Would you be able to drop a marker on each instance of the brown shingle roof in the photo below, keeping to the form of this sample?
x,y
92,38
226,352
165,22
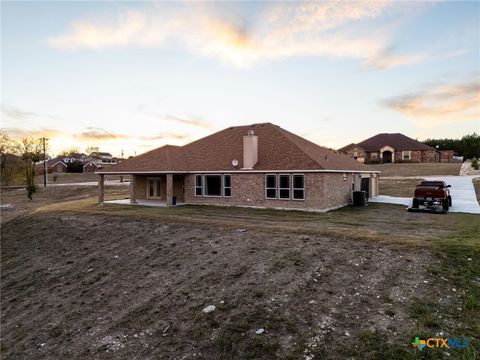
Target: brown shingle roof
x,y
278,149
397,141
348,147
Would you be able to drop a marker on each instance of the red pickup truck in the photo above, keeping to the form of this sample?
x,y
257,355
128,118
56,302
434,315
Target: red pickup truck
x,y
432,194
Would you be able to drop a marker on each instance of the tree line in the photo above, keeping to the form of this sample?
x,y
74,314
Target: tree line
x,y
468,146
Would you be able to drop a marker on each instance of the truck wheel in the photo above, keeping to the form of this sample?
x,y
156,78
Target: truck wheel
x,y
450,201
415,204
445,205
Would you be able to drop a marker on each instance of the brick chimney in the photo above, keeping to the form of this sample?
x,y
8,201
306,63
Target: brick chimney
x,y
250,150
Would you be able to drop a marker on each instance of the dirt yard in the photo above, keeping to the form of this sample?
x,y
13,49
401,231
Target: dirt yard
x,y
81,281
416,169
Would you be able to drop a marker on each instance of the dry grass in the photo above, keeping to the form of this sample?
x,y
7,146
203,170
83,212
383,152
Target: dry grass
x,y
64,178
381,223
398,187
424,169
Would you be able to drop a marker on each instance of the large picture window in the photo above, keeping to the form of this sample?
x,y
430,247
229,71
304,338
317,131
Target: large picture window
x,y
298,187
198,185
271,186
227,185
284,186
213,185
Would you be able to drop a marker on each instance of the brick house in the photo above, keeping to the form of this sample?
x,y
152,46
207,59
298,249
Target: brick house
x,y
259,165
391,148
91,166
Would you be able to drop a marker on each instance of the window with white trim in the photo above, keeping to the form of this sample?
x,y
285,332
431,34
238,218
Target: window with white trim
x,y
298,184
227,185
271,186
374,155
198,185
406,155
213,185
284,186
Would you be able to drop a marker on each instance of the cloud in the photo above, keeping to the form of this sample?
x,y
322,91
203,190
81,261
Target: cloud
x,y
85,34
440,104
98,134
166,136
278,30
15,113
387,59
18,133
189,121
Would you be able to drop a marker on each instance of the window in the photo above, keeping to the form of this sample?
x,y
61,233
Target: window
x,y
198,185
406,155
227,185
355,155
298,187
271,186
213,185
374,155
284,186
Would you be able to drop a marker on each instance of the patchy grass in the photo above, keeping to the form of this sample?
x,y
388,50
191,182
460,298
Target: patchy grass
x,y
398,187
417,169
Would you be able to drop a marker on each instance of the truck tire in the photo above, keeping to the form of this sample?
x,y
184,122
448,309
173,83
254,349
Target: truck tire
x,y
445,205
450,201
415,204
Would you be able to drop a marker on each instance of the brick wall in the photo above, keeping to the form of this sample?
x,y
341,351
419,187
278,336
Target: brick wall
x,y
360,153
418,156
322,191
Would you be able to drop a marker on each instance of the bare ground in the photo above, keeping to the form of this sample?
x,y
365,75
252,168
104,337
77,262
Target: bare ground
x,y
80,281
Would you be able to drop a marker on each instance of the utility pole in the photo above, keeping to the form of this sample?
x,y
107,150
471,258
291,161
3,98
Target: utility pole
x,y
44,161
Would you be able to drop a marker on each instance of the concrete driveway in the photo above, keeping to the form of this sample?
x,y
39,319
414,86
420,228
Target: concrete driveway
x,y
462,190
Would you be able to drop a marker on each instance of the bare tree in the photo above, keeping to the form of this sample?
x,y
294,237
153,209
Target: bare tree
x,y
91,149
6,145
69,152
31,151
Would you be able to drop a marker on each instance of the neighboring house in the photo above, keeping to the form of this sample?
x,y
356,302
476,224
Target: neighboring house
x,y
448,156
103,158
91,166
391,148
55,165
259,165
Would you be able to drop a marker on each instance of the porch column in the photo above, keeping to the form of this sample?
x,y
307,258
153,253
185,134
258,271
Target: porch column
x,y
101,189
169,189
133,199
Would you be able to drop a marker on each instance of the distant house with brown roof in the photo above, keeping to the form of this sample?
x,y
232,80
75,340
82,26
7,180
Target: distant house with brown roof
x,y
391,148
259,165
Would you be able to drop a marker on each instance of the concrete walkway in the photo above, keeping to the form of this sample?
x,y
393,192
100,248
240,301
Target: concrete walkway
x,y
92,183
154,203
462,191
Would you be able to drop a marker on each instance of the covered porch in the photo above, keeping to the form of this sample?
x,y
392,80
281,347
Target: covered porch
x,y
162,189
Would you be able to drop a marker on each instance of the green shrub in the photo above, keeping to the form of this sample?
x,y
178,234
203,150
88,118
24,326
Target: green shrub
x,y
475,164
